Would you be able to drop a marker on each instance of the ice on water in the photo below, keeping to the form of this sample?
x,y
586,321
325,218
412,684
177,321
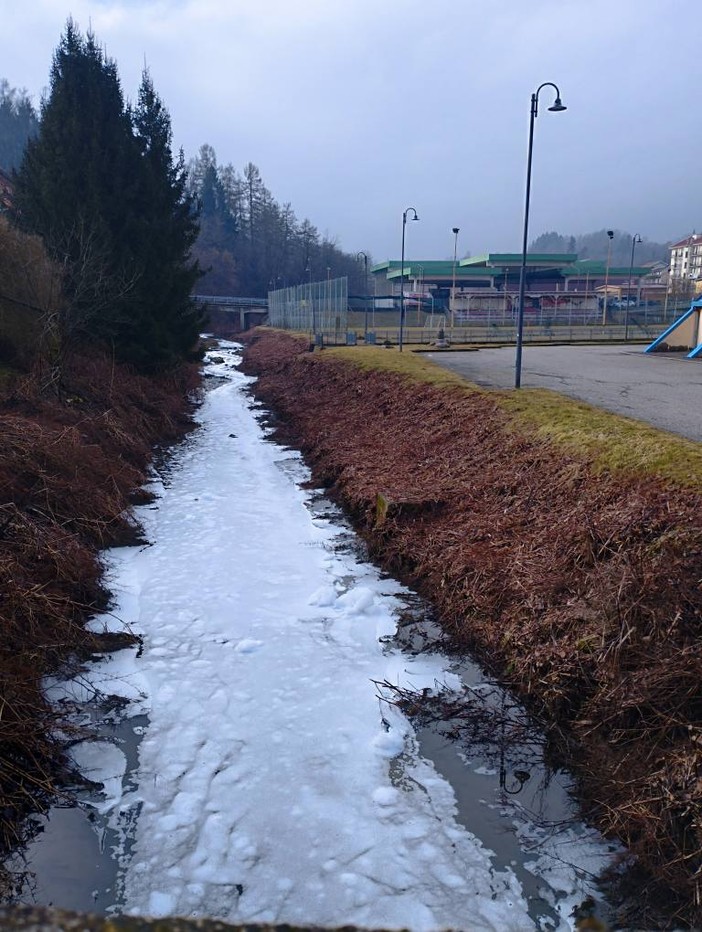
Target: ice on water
x,y
273,784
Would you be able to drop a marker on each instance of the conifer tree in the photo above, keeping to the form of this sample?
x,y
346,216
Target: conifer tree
x,y
167,229
100,185
76,187
249,243
18,123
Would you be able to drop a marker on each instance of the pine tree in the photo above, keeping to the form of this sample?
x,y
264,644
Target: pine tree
x,y
100,185
167,228
249,243
76,187
217,244
18,124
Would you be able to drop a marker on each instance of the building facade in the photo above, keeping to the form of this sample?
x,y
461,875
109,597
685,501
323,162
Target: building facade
x,y
491,282
686,263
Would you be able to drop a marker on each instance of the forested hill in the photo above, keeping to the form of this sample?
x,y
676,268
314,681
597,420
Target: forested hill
x,y
250,243
18,123
595,246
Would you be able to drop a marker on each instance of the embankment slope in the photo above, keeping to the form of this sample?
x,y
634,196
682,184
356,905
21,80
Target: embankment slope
x,y
578,583
70,466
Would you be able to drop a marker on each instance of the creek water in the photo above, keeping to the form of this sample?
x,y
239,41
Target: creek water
x,y
485,747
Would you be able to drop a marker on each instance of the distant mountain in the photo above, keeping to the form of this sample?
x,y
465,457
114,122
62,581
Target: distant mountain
x,y
595,246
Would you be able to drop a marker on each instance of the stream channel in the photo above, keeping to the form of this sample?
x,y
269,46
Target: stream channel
x,y
467,760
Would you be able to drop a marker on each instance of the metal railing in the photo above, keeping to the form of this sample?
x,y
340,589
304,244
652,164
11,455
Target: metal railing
x,y
540,325
222,300
317,309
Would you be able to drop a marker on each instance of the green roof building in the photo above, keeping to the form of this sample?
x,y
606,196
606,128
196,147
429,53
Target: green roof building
x,y
492,280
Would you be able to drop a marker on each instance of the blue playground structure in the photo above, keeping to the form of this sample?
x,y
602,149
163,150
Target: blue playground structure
x,y
687,330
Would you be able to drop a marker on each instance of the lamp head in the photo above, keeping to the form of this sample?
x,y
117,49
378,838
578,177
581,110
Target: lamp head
x,y
455,230
557,105
610,234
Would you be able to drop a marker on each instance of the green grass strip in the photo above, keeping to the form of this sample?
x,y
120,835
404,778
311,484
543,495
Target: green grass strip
x,y
611,442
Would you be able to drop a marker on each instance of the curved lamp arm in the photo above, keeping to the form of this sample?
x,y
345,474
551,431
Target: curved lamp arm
x,y
402,271
557,105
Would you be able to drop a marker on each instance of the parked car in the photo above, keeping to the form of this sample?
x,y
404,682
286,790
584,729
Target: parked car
x,y
623,302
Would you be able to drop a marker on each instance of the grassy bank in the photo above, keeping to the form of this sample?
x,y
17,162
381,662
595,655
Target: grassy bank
x,y
69,470
561,544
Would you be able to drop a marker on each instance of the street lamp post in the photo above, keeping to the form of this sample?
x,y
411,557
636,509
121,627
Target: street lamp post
x,y
455,231
308,269
365,303
610,234
420,292
636,238
556,108
402,270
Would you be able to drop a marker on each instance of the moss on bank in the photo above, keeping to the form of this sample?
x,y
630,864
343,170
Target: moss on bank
x,y
558,543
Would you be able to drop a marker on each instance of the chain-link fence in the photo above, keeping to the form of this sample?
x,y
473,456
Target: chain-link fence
x,y
320,308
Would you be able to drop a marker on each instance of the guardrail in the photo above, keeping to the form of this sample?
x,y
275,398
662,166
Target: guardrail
x,y
635,332
231,302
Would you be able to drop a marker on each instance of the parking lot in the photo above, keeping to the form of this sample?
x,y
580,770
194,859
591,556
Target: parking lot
x,y
664,390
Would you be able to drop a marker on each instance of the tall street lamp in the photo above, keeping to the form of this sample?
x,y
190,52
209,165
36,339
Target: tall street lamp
x,y
308,269
455,231
365,285
419,283
667,293
402,270
610,234
636,238
556,108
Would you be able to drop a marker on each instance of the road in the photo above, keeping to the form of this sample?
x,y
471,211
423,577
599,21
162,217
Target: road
x,y
664,390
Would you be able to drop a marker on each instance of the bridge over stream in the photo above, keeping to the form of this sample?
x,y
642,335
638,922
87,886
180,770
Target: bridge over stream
x,y
250,311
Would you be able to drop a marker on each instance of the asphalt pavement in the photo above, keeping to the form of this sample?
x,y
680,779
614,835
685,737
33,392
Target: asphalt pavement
x,y
662,389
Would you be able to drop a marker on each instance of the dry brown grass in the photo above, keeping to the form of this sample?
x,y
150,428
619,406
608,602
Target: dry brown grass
x,y
68,471
580,584
610,442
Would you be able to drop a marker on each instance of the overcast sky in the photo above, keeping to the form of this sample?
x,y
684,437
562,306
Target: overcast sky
x,y
356,109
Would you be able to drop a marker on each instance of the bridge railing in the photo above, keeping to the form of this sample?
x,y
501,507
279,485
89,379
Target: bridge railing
x,y
223,300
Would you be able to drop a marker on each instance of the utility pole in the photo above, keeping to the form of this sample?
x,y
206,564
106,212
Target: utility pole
x,y
455,231
610,234
365,302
